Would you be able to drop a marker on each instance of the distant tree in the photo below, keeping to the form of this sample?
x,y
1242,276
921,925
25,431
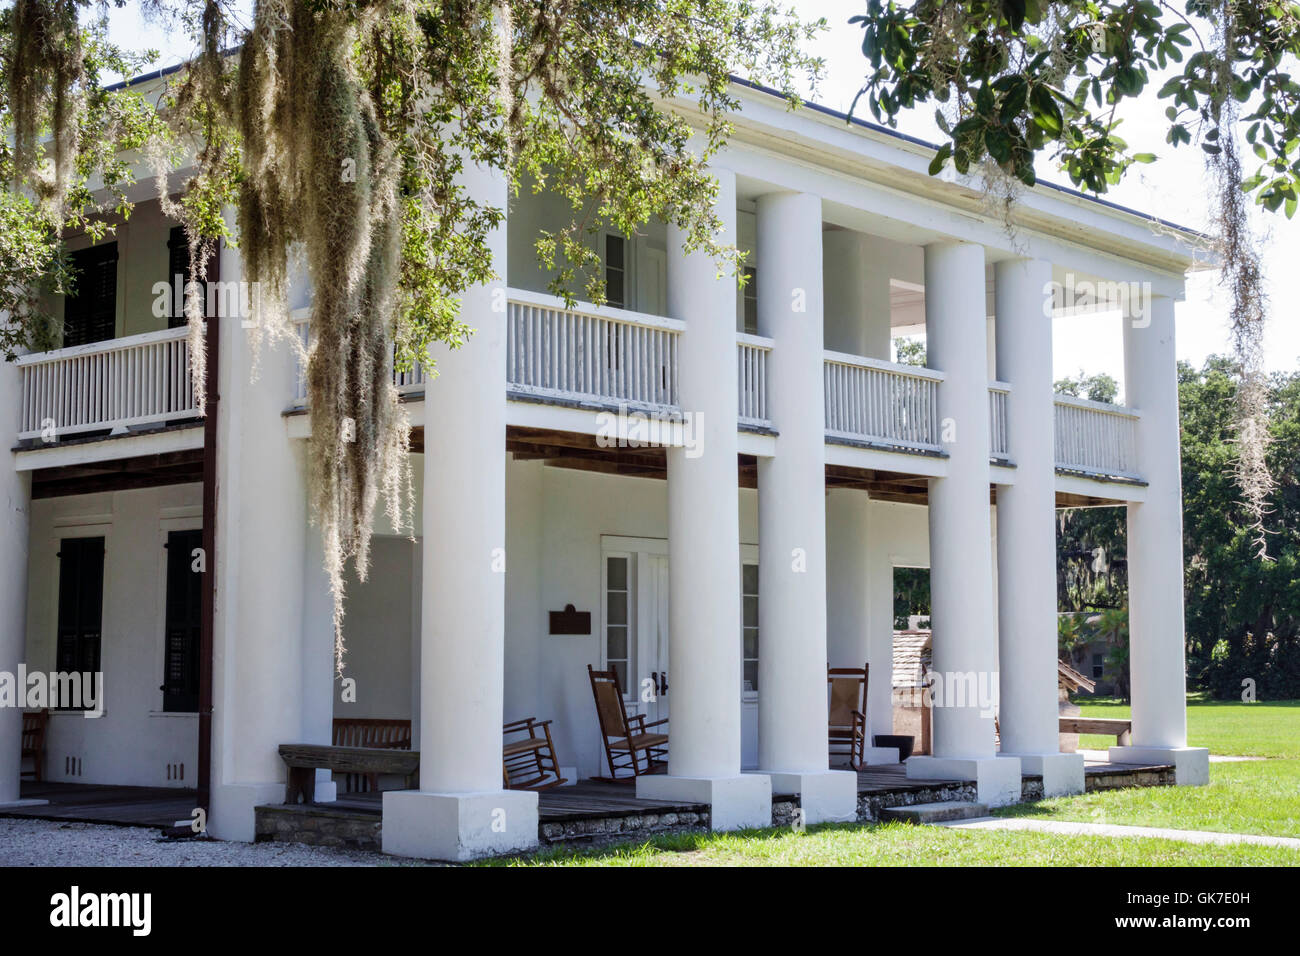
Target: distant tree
x,y
1097,388
909,351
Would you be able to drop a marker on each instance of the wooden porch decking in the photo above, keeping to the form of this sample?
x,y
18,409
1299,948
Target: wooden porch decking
x,y
587,799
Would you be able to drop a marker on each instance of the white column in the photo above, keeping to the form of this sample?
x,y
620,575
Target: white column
x,y
1157,669
860,606
260,542
319,686
857,294
1026,531
704,547
461,810
15,508
792,712
961,565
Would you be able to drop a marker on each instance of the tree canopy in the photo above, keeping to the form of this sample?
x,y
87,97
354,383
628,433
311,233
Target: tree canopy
x,y
340,129
1013,79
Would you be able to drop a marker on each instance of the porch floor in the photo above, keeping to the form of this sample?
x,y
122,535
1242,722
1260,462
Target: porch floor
x,y
163,808
103,803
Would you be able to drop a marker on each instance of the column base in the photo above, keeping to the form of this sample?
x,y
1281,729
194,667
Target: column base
x,y
1062,773
997,779
825,796
459,826
230,813
1191,764
327,791
735,802
874,756
26,802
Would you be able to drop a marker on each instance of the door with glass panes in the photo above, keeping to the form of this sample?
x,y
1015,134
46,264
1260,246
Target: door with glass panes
x,y
635,630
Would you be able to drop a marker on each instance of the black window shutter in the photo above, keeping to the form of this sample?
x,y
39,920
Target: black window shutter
x,y
81,604
90,312
183,622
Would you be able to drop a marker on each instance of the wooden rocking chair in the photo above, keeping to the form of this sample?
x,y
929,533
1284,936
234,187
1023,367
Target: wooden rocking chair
x,y
33,742
628,743
528,763
848,713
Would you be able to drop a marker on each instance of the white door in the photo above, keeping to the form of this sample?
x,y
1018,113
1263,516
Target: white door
x,y
655,682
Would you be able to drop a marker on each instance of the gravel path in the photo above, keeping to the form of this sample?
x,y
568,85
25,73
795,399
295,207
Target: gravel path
x,y
51,843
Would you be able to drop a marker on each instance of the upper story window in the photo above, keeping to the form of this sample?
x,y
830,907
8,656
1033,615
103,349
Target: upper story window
x,y
616,271
751,300
90,311
178,275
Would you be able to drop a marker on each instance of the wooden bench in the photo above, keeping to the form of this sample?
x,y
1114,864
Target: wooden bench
x,y
303,760
1118,727
382,733
33,742
528,763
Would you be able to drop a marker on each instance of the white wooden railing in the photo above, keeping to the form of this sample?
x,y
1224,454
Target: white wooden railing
x,y
406,382
999,442
135,380
605,356
751,358
871,400
1096,438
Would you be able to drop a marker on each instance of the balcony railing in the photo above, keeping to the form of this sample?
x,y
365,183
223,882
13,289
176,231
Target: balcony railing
x,y
751,358
406,382
880,402
999,441
605,357
115,384
1096,438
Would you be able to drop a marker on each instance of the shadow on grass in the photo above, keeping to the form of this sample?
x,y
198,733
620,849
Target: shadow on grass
x,y
683,842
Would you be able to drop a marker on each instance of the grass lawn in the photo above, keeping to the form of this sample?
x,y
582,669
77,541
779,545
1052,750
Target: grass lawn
x,y
1261,796
900,844
1258,796
1261,729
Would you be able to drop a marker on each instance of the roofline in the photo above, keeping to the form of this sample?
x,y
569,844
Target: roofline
x,y
815,107
857,121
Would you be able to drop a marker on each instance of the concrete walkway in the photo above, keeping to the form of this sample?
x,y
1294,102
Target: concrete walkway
x,y
1064,828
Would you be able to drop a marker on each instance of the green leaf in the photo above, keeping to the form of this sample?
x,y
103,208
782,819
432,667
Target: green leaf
x,y
940,158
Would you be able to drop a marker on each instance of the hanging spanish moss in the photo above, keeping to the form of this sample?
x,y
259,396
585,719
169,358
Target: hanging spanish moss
x,y
45,89
1241,273
319,172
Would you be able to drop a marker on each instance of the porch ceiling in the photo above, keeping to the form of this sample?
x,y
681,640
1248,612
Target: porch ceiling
x,y
145,471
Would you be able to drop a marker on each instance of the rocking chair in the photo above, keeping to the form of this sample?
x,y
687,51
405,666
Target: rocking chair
x,y
628,743
848,713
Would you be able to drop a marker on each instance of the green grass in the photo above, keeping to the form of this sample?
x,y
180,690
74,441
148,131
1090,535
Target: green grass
x,y
1261,729
897,844
1258,796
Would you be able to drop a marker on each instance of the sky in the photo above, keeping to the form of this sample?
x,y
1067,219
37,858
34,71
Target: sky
x,y
1175,187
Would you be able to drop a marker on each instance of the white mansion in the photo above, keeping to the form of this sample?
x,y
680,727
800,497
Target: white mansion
x,y
723,566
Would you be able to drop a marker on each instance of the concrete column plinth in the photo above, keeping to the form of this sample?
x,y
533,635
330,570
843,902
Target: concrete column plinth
x,y
997,779
459,826
1062,773
1191,764
735,802
827,796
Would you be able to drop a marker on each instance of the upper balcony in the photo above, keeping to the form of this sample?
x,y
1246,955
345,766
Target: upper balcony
x,y
582,358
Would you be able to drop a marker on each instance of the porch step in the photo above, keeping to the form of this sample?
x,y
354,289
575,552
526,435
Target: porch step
x,y
935,812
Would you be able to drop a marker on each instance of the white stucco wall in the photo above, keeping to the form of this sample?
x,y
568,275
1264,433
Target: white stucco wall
x,y
133,742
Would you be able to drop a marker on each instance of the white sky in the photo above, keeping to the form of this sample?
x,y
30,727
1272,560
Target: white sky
x,y
1175,188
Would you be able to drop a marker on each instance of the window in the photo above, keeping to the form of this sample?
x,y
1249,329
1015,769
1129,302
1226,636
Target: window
x,y
749,626
1098,666
90,310
81,606
182,627
751,300
616,271
178,264
619,652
